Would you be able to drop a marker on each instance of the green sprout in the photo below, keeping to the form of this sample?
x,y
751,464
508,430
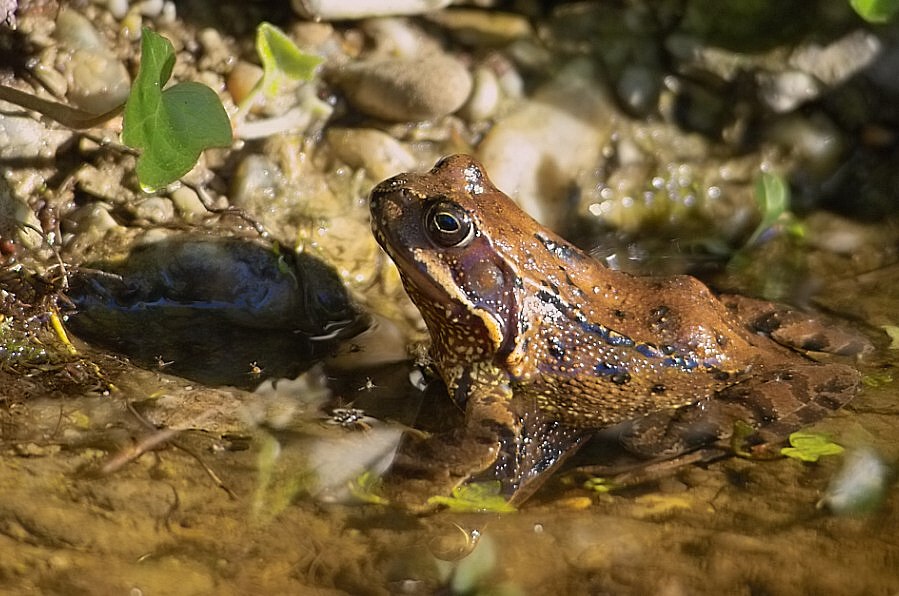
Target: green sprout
x,y
281,61
171,127
477,496
772,195
875,11
810,446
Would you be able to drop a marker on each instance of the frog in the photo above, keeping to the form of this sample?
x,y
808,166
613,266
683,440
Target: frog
x,y
541,345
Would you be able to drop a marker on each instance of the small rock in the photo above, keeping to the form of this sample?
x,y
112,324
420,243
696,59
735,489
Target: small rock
x,y
17,220
242,80
97,79
834,63
335,10
860,486
23,138
638,87
404,90
535,153
94,220
479,27
485,96
187,202
256,182
785,91
378,153
155,210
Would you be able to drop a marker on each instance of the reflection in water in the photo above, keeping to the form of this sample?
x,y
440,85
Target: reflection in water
x,y
216,310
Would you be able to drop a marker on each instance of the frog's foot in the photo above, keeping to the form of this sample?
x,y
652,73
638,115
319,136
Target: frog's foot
x,y
796,329
529,458
426,467
520,453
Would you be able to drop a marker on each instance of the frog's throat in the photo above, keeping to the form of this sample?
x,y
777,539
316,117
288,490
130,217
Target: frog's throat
x,y
429,284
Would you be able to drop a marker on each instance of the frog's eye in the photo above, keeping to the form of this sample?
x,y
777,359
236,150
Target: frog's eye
x,y
448,225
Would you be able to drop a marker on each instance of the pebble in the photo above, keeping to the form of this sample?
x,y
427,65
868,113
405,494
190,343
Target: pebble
x,y
242,80
378,153
536,152
638,87
24,138
335,10
14,213
97,79
405,90
94,220
860,486
485,97
834,63
155,210
187,202
45,71
256,181
117,8
480,28
785,91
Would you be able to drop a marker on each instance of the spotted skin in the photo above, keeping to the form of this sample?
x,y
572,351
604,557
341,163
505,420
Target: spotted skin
x,y
540,344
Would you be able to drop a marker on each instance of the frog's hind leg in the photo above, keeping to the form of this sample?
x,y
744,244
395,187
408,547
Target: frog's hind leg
x,y
771,404
796,329
780,400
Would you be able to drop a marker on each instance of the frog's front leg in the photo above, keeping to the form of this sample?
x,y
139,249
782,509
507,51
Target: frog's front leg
x,y
531,443
505,438
436,464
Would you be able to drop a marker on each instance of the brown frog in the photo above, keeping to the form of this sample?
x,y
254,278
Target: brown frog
x,y
541,345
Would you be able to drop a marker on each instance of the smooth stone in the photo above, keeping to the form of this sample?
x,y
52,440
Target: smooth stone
x,y
485,97
405,90
335,10
378,153
13,214
97,79
155,210
536,152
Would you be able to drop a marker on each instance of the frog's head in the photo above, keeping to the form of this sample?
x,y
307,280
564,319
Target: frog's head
x,y
450,232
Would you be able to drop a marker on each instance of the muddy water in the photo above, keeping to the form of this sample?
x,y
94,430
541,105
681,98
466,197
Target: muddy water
x,y
96,502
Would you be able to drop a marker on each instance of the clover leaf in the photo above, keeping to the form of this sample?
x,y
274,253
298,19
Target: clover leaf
x,y
810,447
170,127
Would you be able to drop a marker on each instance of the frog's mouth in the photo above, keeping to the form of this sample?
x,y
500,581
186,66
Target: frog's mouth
x,y
422,281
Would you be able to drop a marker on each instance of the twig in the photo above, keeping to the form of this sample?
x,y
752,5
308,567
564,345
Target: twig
x,y
65,115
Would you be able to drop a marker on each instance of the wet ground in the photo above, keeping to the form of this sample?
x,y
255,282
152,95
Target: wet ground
x,y
117,478
160,524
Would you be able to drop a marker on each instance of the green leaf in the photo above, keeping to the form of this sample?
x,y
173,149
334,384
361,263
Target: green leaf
x,y
875,11
773,198
878,379
893,332
599,485
477,496
366,487
170,127
281,58
810,446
